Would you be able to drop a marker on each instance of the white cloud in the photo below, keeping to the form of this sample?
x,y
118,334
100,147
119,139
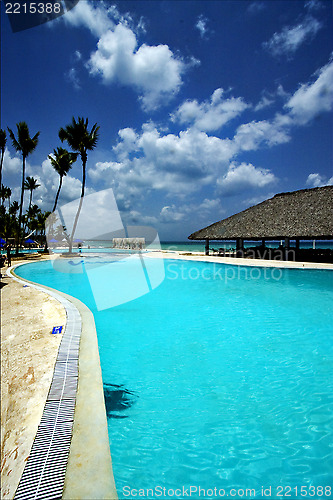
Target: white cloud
x,y
173,213
153,70
72,77
253,135
256,7
313,5
317,180
241,177
264,102
292,37
134,217
175,164
201,25
313,98
12,165
77,55
95,18
210,115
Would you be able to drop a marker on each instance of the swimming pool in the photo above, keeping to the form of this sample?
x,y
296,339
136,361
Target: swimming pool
x,y
219,378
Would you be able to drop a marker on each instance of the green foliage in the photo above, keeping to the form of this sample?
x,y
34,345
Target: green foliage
x,y
13,222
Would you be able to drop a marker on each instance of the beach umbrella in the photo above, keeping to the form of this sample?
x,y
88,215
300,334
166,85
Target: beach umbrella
x,y
29,240
78,240
53,241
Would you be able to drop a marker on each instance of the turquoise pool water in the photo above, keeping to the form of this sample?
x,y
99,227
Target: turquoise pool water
x,y
221,378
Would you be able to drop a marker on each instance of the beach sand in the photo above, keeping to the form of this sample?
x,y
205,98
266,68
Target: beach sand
x,y
28,355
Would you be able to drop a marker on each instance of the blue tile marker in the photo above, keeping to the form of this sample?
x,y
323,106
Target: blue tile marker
x,y
57,329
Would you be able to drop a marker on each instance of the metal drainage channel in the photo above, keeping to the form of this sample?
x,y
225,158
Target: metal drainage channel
x,y
44,473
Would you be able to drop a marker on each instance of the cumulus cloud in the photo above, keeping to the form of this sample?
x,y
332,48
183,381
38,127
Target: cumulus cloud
x,y
317,180
211,114
174,164
241,177
313,98
155,72
12,165
171,214
94,17
178,165
251,136
292,37
176,213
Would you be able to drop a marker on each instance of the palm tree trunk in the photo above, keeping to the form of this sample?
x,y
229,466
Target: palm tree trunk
x,y
26,222
1,163
54,207
84,161
21,207
57,195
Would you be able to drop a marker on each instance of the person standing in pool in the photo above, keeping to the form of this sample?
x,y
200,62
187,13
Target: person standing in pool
x,y
9,257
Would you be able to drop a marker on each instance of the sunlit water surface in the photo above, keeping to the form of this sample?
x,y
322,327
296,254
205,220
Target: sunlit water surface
x,y
220,378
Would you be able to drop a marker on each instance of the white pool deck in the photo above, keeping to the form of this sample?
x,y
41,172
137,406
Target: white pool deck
x,y
200,257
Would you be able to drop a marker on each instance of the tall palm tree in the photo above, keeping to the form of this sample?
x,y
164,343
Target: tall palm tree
x,y
41,219
31,216
62,163
31,184
25,145
3,140
80,139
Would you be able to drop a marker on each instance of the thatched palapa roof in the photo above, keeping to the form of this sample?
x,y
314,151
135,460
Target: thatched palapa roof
x,y
304,214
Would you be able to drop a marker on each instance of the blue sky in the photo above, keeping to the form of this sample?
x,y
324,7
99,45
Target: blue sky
x,y
205,107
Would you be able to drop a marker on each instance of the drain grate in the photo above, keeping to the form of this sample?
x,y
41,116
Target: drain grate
x,y
44,474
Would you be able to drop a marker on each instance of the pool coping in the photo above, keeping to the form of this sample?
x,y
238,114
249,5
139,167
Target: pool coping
x,y
71,455
238,261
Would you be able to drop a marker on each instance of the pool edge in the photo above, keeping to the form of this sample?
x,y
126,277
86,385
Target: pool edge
x,y
89,473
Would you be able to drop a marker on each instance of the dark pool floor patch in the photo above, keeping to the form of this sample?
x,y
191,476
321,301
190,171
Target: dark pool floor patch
x,y
118,399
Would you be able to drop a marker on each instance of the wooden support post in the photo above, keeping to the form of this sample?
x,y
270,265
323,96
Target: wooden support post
x,y
286,248
239,247
207,247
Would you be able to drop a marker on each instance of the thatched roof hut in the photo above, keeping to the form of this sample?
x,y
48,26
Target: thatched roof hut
x,y
304,214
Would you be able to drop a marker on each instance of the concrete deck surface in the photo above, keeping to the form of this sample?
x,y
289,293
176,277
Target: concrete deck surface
x,y
28,355
29,352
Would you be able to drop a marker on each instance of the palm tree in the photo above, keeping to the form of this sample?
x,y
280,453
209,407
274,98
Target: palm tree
x,y
26,145
4,194
41,219
30,185
62,163
31,216
14,207
9,193
81,140
3,140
